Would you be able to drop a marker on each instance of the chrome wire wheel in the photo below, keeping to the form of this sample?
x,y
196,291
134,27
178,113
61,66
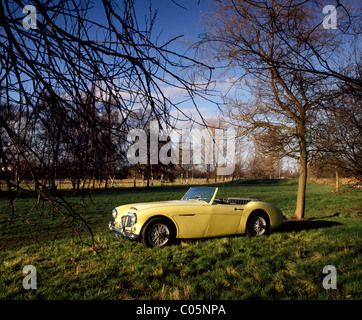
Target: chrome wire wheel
x,y
258,226
159,235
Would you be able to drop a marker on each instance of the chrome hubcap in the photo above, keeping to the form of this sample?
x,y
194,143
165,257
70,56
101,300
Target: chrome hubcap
x,y
258,226
159,235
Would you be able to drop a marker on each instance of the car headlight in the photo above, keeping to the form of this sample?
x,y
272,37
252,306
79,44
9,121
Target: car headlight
x,y
133,218
114,213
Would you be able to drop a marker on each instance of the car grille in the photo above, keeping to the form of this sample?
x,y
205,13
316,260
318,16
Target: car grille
x,y
126,221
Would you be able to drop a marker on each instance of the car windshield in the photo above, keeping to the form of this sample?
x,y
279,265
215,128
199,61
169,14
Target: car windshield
x,y
200,193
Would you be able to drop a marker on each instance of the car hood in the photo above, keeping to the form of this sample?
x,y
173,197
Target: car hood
x,y
147,205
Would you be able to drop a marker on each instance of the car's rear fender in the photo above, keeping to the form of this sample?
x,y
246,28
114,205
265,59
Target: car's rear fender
x,y
273,212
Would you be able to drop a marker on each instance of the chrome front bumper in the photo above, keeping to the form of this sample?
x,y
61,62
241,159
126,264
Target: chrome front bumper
x,y
122,232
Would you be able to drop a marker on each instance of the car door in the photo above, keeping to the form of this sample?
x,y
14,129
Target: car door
x,y
225,219
192,221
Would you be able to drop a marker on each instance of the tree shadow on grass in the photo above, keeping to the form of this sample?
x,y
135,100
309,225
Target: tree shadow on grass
x,y
299,225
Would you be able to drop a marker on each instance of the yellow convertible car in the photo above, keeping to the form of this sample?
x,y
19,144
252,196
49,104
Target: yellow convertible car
x,y
197,215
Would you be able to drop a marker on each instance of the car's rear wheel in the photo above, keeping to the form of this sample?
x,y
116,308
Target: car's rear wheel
x,y
158,233
258,224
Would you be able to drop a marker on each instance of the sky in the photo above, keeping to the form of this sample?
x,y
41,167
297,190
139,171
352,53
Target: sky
x,y
186,17
175,18
183,17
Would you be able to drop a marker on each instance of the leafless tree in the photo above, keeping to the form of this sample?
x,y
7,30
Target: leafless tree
x,y
339,134
285,59
89,72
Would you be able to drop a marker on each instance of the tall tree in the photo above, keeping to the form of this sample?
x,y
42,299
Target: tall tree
x,y
278,51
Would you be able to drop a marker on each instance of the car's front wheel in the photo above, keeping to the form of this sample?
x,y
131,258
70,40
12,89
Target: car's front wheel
x,y
158,233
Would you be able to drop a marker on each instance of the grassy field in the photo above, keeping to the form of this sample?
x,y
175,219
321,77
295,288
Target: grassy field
x,y
287,264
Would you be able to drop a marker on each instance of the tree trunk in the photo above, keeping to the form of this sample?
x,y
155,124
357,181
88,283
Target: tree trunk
x,y
302,184
148,172
207,173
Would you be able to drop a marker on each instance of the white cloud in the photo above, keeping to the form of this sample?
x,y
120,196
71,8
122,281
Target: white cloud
x,y
187,115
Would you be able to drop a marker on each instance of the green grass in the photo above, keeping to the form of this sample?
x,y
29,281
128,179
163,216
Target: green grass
x,y
287,264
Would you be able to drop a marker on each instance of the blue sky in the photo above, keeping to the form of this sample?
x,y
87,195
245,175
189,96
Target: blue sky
x,y
173,20
182,17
